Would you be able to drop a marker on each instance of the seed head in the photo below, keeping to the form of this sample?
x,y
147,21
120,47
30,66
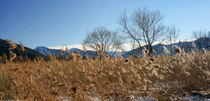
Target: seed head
x,y
204,51
67,50
22,47
5,56
62,52
12,45
194,46
126,61
98,45
50,55
177,50
119,57
84,48
12,56
144,52
79,56
166,50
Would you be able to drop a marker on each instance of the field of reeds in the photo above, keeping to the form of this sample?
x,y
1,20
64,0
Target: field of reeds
x,y
164,78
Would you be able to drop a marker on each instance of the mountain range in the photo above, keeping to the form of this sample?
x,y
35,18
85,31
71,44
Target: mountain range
x,y
57,52
41,51
203,42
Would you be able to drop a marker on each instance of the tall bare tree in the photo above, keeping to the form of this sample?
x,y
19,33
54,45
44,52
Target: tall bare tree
x,y
105,40
143,26
173,34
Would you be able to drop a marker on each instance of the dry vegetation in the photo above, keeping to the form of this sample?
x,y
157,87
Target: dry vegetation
x,y
162,77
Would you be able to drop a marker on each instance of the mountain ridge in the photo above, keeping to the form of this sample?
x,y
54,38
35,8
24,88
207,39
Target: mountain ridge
x,y
202,42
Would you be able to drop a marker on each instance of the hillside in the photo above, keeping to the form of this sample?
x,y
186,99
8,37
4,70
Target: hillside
x,y
29,53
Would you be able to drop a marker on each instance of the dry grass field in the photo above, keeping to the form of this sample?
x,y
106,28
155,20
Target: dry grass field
x,y
164,78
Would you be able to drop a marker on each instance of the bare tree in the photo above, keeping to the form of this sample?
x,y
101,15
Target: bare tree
x,y
143,26
209,34
204,43
197,34
173,34
105,40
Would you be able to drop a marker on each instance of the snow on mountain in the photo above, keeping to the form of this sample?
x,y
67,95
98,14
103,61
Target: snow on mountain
x,y
46,51
126,46
158,46
78,46
201,43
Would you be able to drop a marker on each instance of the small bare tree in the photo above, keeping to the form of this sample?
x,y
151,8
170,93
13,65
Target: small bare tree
x,y
173,34
197,34
105,40
205,42
143,26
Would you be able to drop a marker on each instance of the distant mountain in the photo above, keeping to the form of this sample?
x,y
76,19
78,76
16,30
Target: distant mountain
x,y
30,53
46,51
186,45
203,42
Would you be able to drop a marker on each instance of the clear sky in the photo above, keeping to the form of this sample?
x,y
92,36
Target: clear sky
x,y
62,22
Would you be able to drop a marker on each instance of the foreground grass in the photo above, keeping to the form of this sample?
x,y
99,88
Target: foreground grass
x,y
162,77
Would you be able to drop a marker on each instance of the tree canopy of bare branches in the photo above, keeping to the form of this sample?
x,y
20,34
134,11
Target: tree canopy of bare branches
x,y
104,40
173,34
200,33
143,26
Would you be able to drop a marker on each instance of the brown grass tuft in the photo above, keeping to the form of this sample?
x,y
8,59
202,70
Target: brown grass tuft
x,y
177,50
12,45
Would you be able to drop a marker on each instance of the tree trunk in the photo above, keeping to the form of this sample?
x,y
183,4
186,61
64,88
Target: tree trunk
x,y
150,48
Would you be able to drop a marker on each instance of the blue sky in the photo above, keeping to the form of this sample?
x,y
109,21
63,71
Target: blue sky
x,y
62,22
